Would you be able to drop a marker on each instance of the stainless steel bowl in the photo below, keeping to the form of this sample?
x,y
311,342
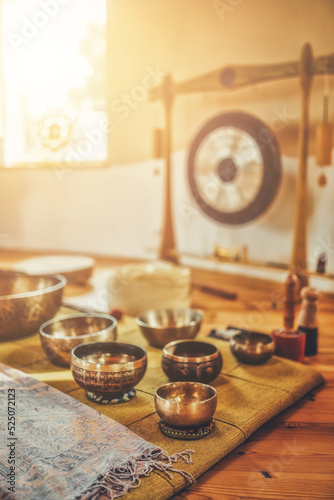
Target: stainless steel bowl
x,y
185,404
191,360
27,301
252,348
160,326
108,371
59,335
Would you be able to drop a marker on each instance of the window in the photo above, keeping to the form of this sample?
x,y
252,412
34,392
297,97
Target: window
x,y
53,82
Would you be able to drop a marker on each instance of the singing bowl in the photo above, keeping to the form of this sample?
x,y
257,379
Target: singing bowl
x,y
191,360
76,269
27,301
252,348
185,404
161,326
60,335
108,370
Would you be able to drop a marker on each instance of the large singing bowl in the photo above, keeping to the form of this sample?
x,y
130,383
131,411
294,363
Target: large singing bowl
x,y
26,302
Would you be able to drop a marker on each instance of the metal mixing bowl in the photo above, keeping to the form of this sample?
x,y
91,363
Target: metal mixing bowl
x,y
59,335
252,348
191,360
27,301
185,404
108,371
160,326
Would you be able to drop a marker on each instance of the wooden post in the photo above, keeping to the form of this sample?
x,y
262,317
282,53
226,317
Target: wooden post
x,y
299,254
167,248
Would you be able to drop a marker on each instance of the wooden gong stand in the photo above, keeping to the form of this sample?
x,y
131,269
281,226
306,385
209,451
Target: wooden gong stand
x,y
231,78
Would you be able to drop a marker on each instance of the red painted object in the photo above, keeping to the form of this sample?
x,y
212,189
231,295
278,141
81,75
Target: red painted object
x,y
116,313
289,344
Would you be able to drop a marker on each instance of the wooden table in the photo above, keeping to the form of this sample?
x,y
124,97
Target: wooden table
x,y
292,456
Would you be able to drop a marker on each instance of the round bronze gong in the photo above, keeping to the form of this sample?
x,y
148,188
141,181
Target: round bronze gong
x,y
234,168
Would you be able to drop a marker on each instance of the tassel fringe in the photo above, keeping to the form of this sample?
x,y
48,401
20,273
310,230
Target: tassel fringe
x,y
119,480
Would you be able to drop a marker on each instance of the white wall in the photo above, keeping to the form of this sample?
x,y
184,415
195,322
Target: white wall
x,y
118,211
112,211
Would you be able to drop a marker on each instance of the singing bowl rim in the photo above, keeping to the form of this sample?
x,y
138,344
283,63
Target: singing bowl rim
x,y
84,263
60,284
144,324
112,368
75,316
190,359
237,343
184,404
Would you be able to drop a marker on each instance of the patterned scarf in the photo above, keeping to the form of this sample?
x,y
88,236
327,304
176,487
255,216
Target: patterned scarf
x,y
58,448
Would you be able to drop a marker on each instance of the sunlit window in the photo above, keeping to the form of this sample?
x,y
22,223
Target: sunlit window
x,y
53,82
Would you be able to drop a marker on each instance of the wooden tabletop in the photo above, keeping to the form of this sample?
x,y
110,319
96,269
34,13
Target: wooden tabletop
x,y
292,456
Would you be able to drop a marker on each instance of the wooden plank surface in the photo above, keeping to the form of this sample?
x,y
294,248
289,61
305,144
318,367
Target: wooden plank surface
x,y
292,456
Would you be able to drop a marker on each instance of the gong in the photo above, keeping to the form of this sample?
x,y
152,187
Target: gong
x,y
234,168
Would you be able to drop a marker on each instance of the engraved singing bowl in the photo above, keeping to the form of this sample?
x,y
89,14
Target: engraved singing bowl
x,y
185,404
252,348
59,335
108,371
191,360
27,301
161,326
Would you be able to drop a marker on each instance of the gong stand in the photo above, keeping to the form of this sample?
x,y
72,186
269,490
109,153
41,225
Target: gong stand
x,y
232,78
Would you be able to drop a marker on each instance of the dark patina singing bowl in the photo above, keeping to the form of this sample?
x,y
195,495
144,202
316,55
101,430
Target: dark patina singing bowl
x,y
27,301
160,326
191,360
185,404
59,335
108,368
252,348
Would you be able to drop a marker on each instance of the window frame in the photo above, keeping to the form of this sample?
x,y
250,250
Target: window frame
x,y
58,165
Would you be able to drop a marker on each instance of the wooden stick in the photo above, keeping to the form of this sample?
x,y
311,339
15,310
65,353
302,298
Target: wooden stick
x,y
218,292
168,240
290,288
233,77
299,254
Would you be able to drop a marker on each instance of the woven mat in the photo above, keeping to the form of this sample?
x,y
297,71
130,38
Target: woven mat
x,y
58,448
248,396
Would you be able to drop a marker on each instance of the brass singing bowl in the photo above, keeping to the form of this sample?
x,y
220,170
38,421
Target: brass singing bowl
x,y
185,404
60,335
191,360
108,368
76,269
27,301
161,326
252,348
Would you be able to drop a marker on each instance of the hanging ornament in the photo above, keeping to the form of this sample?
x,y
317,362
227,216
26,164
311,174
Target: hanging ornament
x,y
324,137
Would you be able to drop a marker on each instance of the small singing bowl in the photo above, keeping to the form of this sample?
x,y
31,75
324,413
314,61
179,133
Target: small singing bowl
x,y
160,326
190,360
252,348
185,404
108,371
59,335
